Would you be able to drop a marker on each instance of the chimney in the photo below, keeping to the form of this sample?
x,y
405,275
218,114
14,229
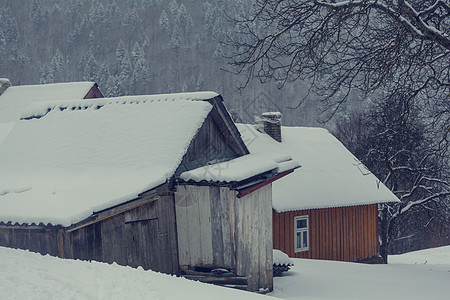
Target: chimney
x,y
271,124
4,84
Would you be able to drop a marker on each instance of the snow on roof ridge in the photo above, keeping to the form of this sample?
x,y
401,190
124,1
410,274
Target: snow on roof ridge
x,y
40,109
331,205
52,84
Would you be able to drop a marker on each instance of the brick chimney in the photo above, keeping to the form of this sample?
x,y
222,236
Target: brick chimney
x,y
4,84
271,124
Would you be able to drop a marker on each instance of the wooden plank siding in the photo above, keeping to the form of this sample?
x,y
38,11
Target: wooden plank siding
x,y
140,236
216,229
343,233
209,144
254,257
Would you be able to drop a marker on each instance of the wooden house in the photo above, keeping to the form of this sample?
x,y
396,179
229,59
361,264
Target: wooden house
x,y
328,209
164,182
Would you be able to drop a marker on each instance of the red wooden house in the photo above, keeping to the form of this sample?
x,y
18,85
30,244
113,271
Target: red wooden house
x,y
328,209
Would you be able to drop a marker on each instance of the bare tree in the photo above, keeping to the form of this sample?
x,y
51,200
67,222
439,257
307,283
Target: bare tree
x,y
393,141
395,51
339,46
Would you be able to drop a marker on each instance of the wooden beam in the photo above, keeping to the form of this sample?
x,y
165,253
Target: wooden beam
x,y
113,212
245,192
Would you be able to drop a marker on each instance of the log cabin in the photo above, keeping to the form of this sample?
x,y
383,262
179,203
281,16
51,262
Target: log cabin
x,y
328,209
163,181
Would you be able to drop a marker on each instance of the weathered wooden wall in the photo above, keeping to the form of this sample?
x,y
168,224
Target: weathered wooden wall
x,y
41,239
343,234
209,144
217,229
144,235
254,255
205,226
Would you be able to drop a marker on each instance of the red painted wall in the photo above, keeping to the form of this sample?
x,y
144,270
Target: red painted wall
x,y
343,234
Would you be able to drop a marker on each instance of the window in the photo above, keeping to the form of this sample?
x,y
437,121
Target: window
x,y
301,233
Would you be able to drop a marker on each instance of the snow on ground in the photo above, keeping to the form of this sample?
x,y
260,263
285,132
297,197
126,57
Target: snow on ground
x,y
314,279
432,256
25,275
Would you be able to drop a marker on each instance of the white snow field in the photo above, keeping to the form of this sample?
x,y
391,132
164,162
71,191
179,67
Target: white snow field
x,y
405,277
26,275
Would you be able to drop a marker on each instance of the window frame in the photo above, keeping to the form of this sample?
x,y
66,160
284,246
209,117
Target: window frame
x,y
301,230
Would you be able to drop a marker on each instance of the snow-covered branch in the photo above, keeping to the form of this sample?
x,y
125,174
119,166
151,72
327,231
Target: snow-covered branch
x,y
412,204
404,14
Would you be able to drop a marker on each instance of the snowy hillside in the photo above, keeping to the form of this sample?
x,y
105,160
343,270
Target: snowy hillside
x,y
25,275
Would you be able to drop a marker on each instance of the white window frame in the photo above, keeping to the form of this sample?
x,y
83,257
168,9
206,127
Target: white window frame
x,y
301,230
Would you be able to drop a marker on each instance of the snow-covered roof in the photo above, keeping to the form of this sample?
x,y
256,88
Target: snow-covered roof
x,y
330,175
72,158
239,169
16,98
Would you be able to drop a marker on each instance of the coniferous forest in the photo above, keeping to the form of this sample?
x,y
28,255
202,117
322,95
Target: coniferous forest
x,y
136,47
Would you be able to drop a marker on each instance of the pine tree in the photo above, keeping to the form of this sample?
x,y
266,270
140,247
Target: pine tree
x,y
93,11
196,42
147,3
209,12
93,45
9,25
57,65
91,68
74,11
2,48
97,13
218,53
140,74
184,21
175,40
36,12
103,75
132,19
123,69
219,29
164,21
112,12
173,7
82,64
144,40
2,38
45,74
112,86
